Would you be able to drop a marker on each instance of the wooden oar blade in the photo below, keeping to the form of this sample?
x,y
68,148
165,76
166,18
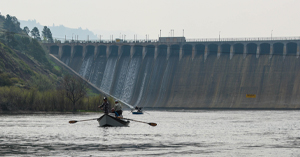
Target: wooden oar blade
x,y
152,124
72,121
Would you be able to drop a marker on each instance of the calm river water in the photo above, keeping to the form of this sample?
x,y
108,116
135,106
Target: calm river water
x,y
178,133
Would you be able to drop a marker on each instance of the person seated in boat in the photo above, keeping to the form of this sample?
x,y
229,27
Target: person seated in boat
x,y
118,108
139,109
105,106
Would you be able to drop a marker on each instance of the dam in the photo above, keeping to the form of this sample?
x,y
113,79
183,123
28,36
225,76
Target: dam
x,y
174,72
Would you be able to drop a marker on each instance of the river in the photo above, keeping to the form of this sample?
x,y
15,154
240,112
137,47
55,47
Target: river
x,y
178,133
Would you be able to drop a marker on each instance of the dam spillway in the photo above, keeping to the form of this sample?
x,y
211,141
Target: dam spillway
x,y
191,74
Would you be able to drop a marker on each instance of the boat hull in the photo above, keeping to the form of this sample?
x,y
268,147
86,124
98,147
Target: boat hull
x,y
137,112
111,121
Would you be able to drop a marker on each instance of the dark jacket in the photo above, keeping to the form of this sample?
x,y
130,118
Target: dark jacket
x,y
106,107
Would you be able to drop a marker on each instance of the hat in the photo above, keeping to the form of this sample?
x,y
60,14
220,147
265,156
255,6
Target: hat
x,y
105,98
116,101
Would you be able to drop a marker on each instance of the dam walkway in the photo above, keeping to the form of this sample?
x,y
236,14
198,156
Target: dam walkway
x,y
179,45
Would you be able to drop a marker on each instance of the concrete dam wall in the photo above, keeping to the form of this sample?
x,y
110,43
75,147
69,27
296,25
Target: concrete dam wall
x,y
193,80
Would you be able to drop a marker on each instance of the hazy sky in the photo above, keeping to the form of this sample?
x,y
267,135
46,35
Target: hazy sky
x,y
198,18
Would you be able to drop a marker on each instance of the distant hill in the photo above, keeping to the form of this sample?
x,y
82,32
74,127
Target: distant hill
x,y
59,32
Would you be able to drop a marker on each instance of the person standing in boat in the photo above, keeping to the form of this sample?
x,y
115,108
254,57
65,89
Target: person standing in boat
x,y
105,106
118,108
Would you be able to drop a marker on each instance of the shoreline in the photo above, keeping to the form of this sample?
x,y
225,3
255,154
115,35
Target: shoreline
x,y
44,112
156,109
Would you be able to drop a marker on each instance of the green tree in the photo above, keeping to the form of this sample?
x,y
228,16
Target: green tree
x,y
36,51
12,24
26,30
47,35
35,33
50,38
4,80
75,89
10,39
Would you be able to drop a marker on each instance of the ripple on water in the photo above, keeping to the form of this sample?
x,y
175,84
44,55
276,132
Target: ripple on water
x,y
209,133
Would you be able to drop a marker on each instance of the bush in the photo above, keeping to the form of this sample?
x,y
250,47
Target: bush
x,y
14,98
5,80
14,80
36,51
2,65
42,83
56,72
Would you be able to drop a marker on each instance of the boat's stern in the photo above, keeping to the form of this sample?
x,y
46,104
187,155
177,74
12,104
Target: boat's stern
x,y
110,121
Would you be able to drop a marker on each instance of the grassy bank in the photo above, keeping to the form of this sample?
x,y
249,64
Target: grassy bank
x,y
15,98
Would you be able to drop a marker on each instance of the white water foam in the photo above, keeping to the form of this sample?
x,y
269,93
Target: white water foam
x,y
146,75
66,60
122,77
131,77
141,90
86,67
100,65
108,74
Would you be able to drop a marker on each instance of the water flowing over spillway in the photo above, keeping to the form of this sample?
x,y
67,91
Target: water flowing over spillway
x,y
108,74
66,59
120,76
98,66
131,77
167,80
146,72
199,81
154,83
85,69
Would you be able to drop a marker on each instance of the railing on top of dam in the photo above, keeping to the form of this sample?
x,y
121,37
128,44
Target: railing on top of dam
x,y
242,39
60,40
103,41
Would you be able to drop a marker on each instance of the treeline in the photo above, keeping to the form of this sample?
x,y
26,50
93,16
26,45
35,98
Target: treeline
x,y
11,26
16,38
15,99
69,95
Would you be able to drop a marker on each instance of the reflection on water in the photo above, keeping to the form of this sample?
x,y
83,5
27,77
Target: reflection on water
x,y
194,133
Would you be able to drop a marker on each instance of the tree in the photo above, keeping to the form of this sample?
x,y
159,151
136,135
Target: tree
x,y
50,38
26,30
35,33
7,23
4,80
10,39
36,51
12,24
75,89
47,35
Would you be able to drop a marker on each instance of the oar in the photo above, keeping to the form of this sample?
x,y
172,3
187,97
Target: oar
x,y
75,121
152,124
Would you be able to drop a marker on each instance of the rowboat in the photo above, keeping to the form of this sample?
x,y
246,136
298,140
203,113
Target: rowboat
x,y
110,120
138,112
